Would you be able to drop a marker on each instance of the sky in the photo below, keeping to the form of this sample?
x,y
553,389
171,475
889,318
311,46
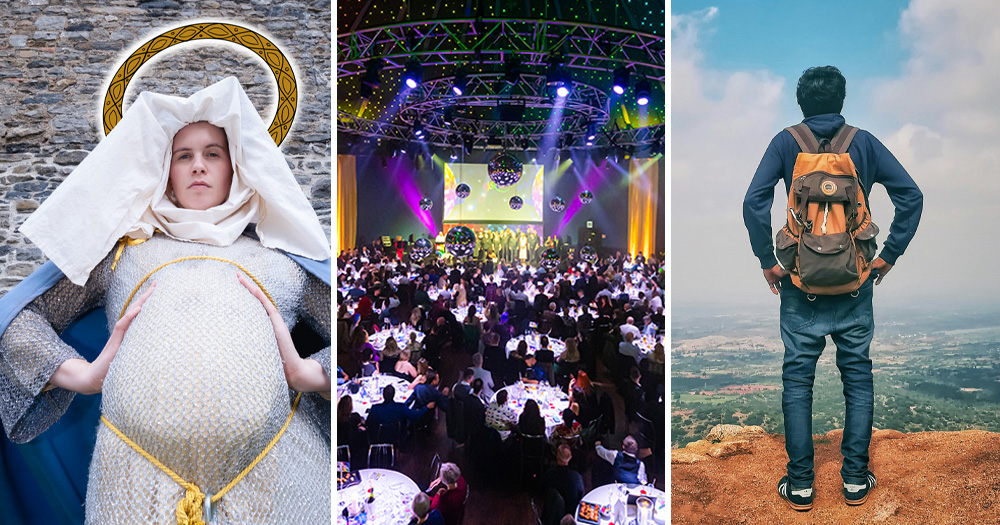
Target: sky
x,y
921,76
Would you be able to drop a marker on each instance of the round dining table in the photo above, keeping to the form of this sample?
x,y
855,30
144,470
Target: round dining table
x,y
392,496
556,345
400,333
551,402
605,497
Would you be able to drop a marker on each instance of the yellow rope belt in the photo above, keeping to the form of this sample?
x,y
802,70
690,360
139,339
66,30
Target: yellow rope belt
x,y
191,509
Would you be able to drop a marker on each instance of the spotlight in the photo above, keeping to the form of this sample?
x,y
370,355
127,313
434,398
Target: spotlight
x,y
620,82
629,150
558,78
460,82
591,131
467,143
512,71
418,129
414,73
525,144
569,139
590,142
449,115
642,92
454,154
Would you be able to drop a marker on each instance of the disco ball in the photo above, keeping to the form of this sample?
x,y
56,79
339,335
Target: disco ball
x,y
460,241
557,204
422,248
463,190
550,259
505,170
516,202
426,204
586,196
589,254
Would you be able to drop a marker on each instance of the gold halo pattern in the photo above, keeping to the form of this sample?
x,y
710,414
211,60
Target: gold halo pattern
x,y
264,48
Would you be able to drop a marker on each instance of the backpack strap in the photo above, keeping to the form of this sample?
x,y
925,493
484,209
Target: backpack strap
x,y
842,140
804,138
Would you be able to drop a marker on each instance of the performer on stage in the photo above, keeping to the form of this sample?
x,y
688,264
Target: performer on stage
x,y
200,373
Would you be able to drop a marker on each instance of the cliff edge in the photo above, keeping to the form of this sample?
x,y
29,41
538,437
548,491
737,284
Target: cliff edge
x,y
731,476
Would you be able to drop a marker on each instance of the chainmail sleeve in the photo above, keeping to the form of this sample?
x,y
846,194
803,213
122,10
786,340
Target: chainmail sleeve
x,y
31,350
316,313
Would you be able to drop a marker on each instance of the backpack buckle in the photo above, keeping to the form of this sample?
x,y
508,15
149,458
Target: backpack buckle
x,y
811,297
855,293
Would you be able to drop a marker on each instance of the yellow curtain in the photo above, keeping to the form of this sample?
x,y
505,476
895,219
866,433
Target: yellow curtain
x,y
347,203
643,198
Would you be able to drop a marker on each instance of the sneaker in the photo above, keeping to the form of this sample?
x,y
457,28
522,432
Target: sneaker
x,y
858,494
798,499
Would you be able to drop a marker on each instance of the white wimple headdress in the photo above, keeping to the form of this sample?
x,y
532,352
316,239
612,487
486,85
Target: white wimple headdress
x,y
119,188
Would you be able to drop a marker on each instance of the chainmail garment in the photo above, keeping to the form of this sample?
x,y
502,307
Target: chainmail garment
x,y
198,384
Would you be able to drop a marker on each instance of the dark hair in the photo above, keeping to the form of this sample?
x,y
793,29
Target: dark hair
x,y
468,373
388,393
502,397
568,416
477,385
821,90
431,376
531,408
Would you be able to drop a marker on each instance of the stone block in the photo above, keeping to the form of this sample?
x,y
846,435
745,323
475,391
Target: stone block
x,y
18,40
20,269
50,22
70,157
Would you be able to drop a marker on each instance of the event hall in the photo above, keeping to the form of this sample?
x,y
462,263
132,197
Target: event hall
x,y
500,182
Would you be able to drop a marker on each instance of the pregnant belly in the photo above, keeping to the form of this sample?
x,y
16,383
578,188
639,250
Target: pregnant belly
x,y
198,381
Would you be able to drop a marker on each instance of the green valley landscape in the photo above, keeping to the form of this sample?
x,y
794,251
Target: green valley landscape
x,y
933,371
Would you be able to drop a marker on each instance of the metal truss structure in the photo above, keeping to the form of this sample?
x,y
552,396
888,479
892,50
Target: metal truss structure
x,y
486,46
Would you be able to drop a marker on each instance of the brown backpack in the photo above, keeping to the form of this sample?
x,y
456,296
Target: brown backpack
x,y
828,242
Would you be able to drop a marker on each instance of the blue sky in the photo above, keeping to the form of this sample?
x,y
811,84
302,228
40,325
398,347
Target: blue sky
x,y
921,76
785,37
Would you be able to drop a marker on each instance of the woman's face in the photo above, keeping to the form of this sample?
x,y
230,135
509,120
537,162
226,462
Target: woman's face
x,y
201,171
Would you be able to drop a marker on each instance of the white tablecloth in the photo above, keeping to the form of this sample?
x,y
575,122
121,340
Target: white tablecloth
x,y
371,392
393,493
608,494
551,403
556,345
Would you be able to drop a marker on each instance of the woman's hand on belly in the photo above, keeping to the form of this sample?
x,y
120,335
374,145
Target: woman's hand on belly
x,y
302,375
82,377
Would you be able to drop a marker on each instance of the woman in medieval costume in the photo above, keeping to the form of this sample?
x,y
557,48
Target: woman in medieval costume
x,y
186,225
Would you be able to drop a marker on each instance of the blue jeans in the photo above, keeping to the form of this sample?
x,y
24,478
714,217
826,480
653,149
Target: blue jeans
x,y
805,323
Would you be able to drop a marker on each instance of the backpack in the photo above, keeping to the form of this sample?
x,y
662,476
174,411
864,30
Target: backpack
x,y
828,241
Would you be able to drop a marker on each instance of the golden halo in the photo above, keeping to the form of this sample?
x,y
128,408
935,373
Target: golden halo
x,y
264,48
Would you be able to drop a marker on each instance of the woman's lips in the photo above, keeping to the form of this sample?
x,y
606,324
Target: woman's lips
x,y
199,184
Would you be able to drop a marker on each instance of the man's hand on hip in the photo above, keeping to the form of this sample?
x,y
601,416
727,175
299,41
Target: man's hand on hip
x,y
880,267
773,277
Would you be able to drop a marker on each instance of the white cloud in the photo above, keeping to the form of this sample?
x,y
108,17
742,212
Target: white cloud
x,y
721,121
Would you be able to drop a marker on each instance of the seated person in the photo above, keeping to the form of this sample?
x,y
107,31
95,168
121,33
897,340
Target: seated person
x,y
628,349
404,368
422,513
499,415
531,422
391,414
565,480
567,432
533,372
449,492
369,366
426,394
546,358
625,467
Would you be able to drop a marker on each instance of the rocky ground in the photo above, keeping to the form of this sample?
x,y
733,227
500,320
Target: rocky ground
x,y
731,476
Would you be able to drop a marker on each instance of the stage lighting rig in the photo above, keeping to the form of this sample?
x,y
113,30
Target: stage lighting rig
x,y
370,80
591,131
418,130
467,144
620,82
414,73
449,116
642,92
525,144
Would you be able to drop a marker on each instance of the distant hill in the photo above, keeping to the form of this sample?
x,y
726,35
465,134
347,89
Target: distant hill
x,y
731,476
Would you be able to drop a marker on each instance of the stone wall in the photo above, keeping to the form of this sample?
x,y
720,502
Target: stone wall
x,y
56,56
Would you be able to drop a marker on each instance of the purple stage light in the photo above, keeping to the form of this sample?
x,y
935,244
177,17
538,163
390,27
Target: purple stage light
x,y
562,91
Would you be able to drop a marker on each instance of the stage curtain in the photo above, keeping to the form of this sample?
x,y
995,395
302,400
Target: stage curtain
x,y
347,203
643,198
